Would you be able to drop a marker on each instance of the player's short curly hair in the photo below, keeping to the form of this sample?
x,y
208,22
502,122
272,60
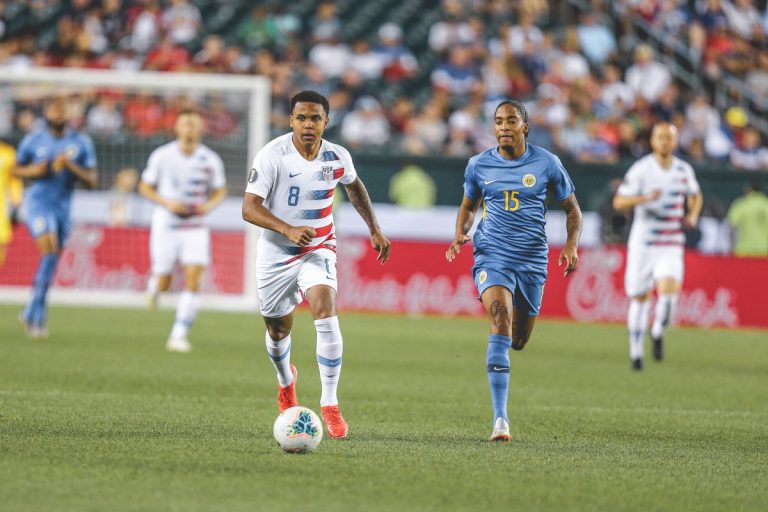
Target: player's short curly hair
x,y
311,97
520,110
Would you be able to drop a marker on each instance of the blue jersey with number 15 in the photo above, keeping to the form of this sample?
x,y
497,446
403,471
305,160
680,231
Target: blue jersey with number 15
x,y
514,196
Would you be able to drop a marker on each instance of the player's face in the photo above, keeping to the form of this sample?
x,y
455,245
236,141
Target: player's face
x,y
189,127
56,115
308,122
509,127
664,139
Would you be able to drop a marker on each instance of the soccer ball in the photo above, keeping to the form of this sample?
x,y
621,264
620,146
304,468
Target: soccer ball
x,y
298,430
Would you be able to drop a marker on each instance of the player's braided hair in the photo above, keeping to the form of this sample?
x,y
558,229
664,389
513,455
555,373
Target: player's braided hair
x,y
520,110
311,97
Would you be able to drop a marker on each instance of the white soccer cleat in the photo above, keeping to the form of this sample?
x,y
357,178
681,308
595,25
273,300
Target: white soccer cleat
x,y
180,345
152,299
500,430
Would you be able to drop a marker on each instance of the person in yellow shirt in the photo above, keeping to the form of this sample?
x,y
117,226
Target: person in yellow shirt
x,y
748,216
11,191
412,187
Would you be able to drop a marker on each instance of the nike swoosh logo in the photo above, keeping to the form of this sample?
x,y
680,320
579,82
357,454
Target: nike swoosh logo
x,y
500,368
291,175
489,182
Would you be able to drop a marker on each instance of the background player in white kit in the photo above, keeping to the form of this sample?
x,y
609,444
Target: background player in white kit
x,y
290,194
186,180
666,198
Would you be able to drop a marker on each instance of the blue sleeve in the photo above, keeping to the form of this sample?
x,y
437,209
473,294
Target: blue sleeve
x,y
561,181
471,190
89,154
25,152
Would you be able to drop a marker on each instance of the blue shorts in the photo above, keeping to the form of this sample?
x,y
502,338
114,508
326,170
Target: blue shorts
x,y
41,221
527,289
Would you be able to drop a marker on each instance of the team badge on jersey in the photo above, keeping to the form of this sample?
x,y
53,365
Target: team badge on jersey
x,y
529,180
482,276
71,151
328,173
252,175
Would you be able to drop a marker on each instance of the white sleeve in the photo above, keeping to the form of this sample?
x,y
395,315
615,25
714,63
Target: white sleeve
x,y
350,173
261,177
219,175
151,174
633,183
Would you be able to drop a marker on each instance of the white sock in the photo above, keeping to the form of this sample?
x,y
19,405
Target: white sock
x,y
152,285
329,348
637,321
280,354
186,312
662,315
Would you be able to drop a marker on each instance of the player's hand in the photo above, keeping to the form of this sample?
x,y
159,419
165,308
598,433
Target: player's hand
x,y
382,245
455,247
300,235
570,256
41,169
179,208
60,162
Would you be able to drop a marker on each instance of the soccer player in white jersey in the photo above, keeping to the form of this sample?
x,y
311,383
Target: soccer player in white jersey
x,y
186,180
290,194
666,198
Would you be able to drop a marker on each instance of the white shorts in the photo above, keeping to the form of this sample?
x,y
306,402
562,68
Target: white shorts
x,y
190,246
280,288
647,265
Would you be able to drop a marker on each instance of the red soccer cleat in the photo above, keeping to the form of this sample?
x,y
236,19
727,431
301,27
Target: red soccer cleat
x,y
286,397
334,421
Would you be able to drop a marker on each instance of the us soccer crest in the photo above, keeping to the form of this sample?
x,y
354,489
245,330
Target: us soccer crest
x,y
328,173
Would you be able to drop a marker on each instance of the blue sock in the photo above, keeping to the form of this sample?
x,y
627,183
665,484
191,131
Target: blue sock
x,y
497,359
36,312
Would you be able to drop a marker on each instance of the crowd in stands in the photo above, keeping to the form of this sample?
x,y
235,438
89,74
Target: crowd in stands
x,y
593,89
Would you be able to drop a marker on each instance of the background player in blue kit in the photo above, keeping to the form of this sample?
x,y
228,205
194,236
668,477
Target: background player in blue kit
x,y
513,182
55,158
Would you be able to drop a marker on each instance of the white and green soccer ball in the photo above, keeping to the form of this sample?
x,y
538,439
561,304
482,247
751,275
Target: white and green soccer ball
x,y
298,430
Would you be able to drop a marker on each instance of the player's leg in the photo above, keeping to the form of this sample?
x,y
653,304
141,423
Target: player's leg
x,y
317,278
667,290
186,309
638,282
163,252
47,231
278,295
527,299
498,304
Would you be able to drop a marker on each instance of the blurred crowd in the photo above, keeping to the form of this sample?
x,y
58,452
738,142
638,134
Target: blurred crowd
x,y
593,89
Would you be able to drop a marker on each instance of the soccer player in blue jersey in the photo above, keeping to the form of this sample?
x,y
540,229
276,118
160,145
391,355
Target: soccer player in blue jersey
x,y
54,158
513,181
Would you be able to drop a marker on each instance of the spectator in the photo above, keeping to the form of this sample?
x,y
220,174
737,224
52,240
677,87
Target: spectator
x,y
258,29
104,118
743,19
146,27
646,77
325,24
331,56
366,125
574,65
428,132
595,149
398,62
181,21
524,35
616,95
365,62
211,57
757,77
750,155
451,30
143,114
748,216
167,56
122,197
412,187
596,40
458,75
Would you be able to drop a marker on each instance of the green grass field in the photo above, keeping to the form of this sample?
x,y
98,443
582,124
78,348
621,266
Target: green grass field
x,y
100,417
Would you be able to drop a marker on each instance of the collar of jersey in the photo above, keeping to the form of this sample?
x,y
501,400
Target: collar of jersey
x,y
525,154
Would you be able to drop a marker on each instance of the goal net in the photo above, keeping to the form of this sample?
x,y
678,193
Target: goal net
x,y
128,114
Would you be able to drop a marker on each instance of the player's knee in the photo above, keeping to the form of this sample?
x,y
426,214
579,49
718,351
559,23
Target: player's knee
x,y
519,342
278,332
501,321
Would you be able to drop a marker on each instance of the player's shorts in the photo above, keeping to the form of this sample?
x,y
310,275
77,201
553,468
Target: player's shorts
x,y
189,246
645,266
280,288
527,289
40,222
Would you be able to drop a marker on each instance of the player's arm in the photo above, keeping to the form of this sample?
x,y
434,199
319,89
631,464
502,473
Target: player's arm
x,y
176,207
214,199
37,170
358,196
465,218
86,176
573,222
624,202
257,214
694,204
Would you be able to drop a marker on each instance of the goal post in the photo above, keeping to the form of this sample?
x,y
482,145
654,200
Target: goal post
x,y
105,261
